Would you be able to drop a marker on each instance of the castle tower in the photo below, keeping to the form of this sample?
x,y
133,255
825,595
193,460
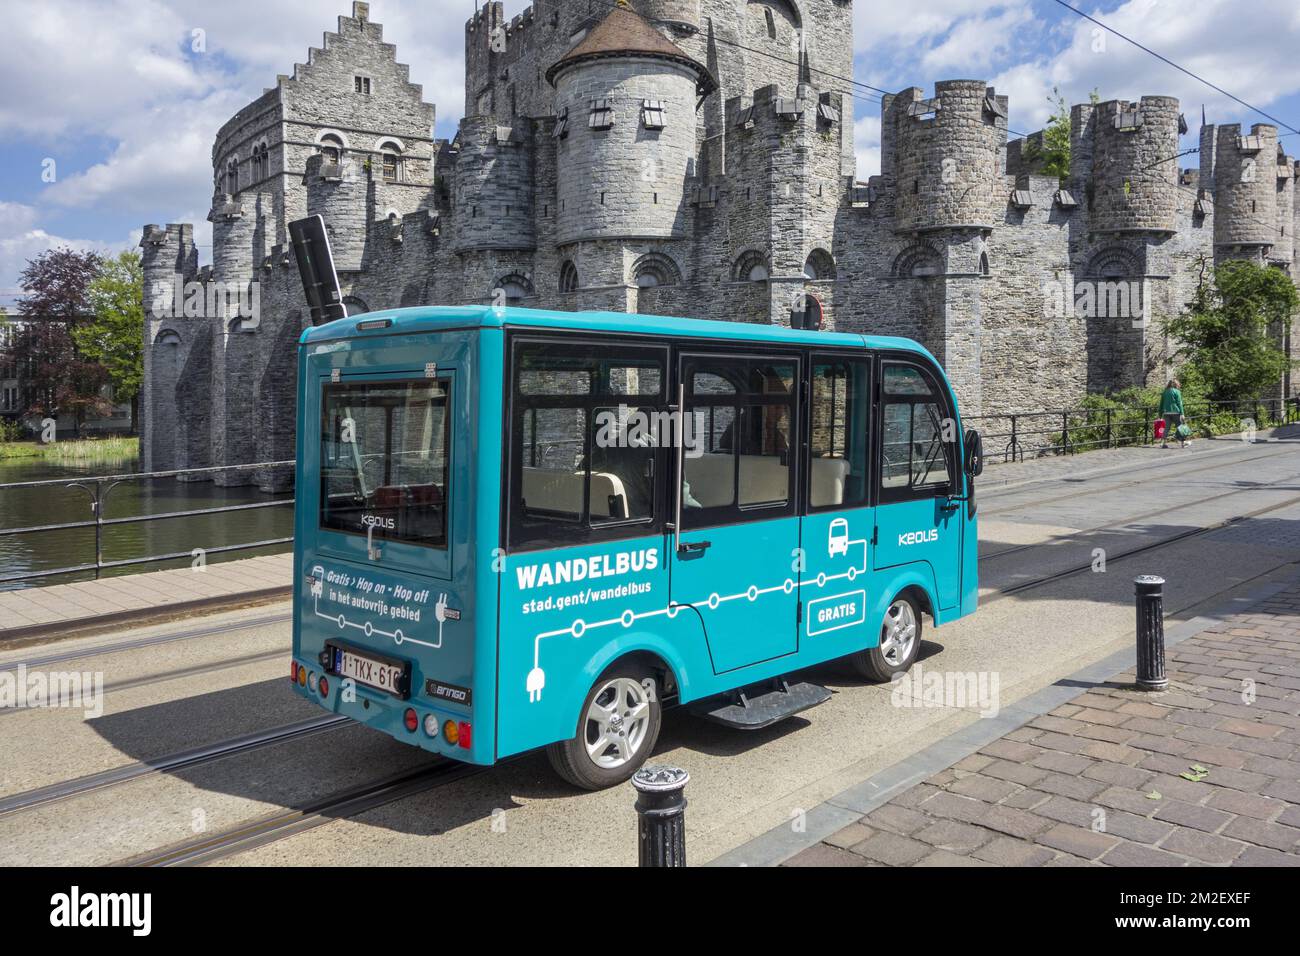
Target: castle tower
x,y
339,193
1283,253
1246,193
626,100
1134,171
494,186
682,16
169,260
948,156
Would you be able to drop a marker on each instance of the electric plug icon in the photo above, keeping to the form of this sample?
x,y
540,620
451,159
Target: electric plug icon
x,y
536,681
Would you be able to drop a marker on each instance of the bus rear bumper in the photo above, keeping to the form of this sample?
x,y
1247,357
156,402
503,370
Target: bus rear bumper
x,y
446,731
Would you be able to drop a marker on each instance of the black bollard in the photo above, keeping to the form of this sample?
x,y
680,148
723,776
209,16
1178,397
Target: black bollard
x,y
1149,589
661,815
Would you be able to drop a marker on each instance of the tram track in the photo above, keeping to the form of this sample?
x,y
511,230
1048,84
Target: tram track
x,y
278,826
1076,492
170,763
1016,549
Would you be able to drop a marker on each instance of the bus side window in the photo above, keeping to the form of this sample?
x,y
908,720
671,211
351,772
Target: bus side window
x,y
916,459
584,440
840,435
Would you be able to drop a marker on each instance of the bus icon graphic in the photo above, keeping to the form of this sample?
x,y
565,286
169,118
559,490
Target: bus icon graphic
x,y
839,537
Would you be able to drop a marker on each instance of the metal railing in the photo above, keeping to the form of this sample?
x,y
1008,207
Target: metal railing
x,y
1071,430
100,487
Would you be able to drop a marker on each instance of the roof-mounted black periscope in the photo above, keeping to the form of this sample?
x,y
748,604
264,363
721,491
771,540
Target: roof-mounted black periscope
x,y
311,246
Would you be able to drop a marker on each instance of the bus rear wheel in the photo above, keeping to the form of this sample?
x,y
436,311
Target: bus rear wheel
x,y
616,732
900,642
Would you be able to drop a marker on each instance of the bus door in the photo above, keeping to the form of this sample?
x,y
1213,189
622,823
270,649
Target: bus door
x,y
917,520
839,523
737,544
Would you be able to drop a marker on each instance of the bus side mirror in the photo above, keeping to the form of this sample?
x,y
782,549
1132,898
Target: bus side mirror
x,y
974,453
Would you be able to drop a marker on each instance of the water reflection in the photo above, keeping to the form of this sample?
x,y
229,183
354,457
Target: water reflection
x,y
25,507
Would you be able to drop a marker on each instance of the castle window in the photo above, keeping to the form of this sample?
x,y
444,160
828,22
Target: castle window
x,y
232,175
562,125
751,267
652,114
655,269
361,84
391,161
568,277
331,147
602,115
819,265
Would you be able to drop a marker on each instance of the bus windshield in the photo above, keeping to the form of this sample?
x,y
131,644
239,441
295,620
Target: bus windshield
x,y
384,454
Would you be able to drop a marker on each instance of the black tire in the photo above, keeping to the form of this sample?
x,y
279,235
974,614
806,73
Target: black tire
x,y
572,760
878,663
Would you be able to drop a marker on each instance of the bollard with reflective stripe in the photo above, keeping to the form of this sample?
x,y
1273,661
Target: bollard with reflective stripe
x,y
661,815
1149,590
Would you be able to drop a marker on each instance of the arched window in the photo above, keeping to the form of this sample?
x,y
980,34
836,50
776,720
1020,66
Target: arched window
x,y
516,288
261,162
390,156
354,306
331,147
919,261
568,277
232,175
655,269
167,337
819,265
751,267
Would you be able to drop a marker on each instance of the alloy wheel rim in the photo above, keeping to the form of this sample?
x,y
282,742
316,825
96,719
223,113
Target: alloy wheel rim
x,y
898,634
618,720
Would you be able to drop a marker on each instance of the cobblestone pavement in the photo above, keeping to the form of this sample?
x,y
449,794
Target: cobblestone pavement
x,y
1206,773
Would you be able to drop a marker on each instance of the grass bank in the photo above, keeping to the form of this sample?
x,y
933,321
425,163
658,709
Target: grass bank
x,y
83,450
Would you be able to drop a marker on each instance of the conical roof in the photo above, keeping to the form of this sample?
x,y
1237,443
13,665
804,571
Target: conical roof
x,y
626,33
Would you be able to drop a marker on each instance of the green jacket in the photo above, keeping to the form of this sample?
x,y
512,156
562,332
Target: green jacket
x,y
1171,402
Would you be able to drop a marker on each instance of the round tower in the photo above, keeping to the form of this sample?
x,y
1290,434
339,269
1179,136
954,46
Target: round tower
x,y
494,186
339,193
948,157
1284,244
680,15
1245,190
625,98
1135,172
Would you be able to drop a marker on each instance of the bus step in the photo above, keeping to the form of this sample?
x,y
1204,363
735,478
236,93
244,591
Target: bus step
x,y
763,705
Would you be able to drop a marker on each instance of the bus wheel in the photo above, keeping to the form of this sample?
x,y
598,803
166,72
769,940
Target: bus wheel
x,y
617,730
900,641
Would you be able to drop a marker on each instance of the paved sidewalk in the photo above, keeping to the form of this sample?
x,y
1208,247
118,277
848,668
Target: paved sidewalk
x,y
1207,772
64,607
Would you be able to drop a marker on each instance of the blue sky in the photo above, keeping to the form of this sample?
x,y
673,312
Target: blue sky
x,y
125,96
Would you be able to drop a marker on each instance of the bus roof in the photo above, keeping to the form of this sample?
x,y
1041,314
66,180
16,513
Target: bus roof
x,y
423,319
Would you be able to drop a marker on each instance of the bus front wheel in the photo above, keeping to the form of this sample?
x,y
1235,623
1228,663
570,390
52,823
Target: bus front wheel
x,y
616,732
900,642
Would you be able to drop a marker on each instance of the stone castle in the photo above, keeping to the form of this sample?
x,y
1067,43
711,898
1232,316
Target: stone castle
x,y
694,158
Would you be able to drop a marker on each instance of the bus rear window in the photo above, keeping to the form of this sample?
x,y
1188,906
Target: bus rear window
x,y
384,460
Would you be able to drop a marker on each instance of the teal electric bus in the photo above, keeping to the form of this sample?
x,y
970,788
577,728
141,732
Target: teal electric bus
x,y
520,529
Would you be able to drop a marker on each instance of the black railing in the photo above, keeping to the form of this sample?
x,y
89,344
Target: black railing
x,y
1073,430
100,487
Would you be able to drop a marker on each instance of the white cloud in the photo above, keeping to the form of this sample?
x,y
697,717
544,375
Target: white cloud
x,y
866,143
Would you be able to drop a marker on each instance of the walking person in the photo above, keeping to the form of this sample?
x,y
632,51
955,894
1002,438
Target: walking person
x,y
1171,409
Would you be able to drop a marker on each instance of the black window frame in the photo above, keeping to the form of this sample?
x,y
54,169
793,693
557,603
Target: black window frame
x,y
867,358
736,513
938,383
518,537
443,378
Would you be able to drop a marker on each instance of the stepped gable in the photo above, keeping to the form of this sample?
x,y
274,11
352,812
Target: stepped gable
x,y
626,33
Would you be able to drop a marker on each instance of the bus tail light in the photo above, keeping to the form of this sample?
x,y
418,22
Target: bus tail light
x,y
431,724
412,719
293,672
450,733
463,732
302,676
324,686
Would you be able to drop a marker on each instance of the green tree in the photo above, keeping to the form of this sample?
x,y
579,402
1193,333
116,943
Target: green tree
x,y
114,338
1228,337
1056,138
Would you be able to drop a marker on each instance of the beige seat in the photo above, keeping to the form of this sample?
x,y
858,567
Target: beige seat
x,y
547,489
828,477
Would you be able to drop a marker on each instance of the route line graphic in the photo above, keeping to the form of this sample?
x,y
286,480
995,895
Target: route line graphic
x,y
536,679
439,613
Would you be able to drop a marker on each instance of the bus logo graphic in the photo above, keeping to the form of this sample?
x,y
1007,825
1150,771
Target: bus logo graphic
x,y
839,537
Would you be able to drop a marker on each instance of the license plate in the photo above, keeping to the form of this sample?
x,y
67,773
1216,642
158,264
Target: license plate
x,y
381,675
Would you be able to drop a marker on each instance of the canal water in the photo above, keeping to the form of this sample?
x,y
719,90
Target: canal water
x,y
41,551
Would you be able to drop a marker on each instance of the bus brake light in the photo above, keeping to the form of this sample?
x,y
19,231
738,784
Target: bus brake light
x,y
324,686
463,733
412,719
293,672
